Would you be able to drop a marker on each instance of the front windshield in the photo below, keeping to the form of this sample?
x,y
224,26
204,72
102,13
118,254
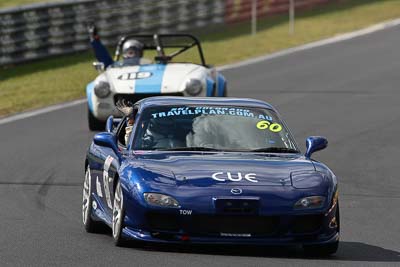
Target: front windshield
x,y
219,128
134,61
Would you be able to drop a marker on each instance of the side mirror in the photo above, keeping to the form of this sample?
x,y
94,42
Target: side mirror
x,y
314,144
106,140
112,123
99,66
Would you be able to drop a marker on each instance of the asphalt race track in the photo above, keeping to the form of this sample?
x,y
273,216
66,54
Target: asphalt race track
x,y
348,92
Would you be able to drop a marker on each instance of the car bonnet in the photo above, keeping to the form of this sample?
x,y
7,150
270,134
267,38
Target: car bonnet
x,y
151,78
218,169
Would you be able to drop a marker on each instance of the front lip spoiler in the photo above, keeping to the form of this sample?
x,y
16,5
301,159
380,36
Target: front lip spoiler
x,y
147,237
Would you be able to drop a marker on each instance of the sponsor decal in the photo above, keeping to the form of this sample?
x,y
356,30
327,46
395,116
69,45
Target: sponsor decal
x,y
184,111
234,177
185,212
134,75
98,187
235,235
106,180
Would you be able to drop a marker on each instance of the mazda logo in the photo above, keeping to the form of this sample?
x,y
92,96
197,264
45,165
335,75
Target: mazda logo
x,y
236,191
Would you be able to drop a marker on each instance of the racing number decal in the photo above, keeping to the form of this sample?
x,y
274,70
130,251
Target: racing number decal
x,y
107,179
273,127
135,75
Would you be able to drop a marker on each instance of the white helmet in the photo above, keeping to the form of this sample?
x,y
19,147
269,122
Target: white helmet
x,y
132,48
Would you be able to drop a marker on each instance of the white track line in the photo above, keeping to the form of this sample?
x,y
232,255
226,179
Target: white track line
x,y
28,114
336,39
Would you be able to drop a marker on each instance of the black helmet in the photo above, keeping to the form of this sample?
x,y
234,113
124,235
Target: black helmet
x,y
132,48
162,126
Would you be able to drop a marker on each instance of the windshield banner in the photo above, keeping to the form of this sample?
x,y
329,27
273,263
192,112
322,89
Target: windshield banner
x,y
184,111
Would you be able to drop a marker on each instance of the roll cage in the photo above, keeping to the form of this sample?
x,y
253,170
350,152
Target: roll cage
x,y
159,42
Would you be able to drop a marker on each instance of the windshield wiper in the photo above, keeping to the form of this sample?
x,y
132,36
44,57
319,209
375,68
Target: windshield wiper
x,y
191,148
276,150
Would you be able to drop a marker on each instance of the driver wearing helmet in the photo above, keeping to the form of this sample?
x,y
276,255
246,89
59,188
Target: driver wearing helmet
x,y
132,51
163,134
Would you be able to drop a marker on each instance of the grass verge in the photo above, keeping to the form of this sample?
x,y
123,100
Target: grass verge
x,y
15,3
64,78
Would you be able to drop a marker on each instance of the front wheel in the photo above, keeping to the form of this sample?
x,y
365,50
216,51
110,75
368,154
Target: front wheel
x,y
91,226
94,123
118,216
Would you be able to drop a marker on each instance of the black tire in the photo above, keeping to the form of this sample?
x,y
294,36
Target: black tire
x,y
225,94
91,226
94,123
338,217
325,249
118,215
214,91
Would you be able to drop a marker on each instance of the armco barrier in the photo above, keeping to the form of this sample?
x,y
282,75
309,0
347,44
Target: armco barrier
x,y
43,30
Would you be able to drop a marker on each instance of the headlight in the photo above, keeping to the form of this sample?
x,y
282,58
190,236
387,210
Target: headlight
x,y
102,89
313,202
160,200
194,87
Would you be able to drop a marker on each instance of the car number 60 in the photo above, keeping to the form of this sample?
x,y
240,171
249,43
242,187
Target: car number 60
x,y
273,127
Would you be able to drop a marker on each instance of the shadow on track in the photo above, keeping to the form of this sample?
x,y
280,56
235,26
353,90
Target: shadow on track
x,y
348,251
357,251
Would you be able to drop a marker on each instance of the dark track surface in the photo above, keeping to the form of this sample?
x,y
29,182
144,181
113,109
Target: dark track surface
x,y
348,92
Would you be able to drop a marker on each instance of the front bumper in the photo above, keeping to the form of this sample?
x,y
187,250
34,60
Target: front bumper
x,y
239,220
187,239
234,229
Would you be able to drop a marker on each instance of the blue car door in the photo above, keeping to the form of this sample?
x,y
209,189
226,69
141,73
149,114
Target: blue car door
x,y
104,166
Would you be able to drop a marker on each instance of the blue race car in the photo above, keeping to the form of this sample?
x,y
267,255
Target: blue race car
x,y
209,170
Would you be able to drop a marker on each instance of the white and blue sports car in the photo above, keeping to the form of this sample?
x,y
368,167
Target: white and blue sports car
x,y
169,74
